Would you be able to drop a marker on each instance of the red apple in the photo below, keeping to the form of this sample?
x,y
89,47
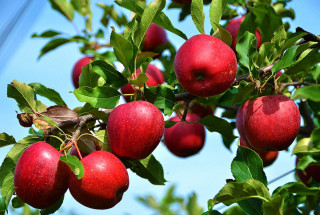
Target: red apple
x,y
271,123
233,28
205,66
267,157
278,74
155,76
155,36
200,110
40,178
185,139
77,69
104,181
312,171
239,121
135,129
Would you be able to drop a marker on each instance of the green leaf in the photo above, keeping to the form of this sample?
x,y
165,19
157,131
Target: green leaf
x,y
246,49
298,188
279,36
98,97
268,53
223,34
50,94
88,78
74,164
24,96
148,168
123,50
3,206
267,20
31,139
215,12
192,206
53,44
109,73
311,92
292,39
160,19
17,203
305,62
6,140
248,165
244,90
162,97
248,24
234,192
147,18
64,7
110,12
305,146
274,206
219,125
7,171
289,57
53,208
198,15
47,34
169,123
234,210
140,80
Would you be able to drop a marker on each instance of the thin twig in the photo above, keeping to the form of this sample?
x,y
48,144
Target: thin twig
x,y
186,107
309,124
72,122
281,176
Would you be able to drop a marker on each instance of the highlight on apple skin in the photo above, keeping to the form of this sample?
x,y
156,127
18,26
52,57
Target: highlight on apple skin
x,y
40,178
185,139
155,37
233,28
135,129
104,181
206,71
77,69
155,76
271,123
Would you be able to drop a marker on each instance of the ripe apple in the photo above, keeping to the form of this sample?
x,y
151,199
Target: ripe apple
x,y
77,69
271,123
200,110
40,178
205,66
155,76
267,157
185,139
239,122
312,171
104,181
278,74
135,129
155,36
233,28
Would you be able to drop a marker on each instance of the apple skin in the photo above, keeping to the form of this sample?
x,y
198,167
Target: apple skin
x,y
312,171
278,74
233,28
271,123
135,129
185,139
205,66
77,69
239,122
155,76
155,36
104,181
40,178
267,157
201,110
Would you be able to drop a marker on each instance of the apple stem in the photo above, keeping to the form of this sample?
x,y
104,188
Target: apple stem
x,y
66,147
186,107
77,148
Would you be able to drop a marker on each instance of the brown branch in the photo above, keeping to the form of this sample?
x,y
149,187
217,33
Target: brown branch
x,y
294,84
67,123
309,124
310,37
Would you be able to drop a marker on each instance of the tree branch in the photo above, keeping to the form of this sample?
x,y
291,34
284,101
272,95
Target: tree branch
x,y
85,119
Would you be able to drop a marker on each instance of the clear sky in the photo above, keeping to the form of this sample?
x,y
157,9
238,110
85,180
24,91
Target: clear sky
x,y
204,173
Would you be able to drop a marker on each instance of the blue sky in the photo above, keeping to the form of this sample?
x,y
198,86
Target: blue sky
x,y
204,173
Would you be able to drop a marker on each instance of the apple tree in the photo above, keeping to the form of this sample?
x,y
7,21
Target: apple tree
x,y
264,78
